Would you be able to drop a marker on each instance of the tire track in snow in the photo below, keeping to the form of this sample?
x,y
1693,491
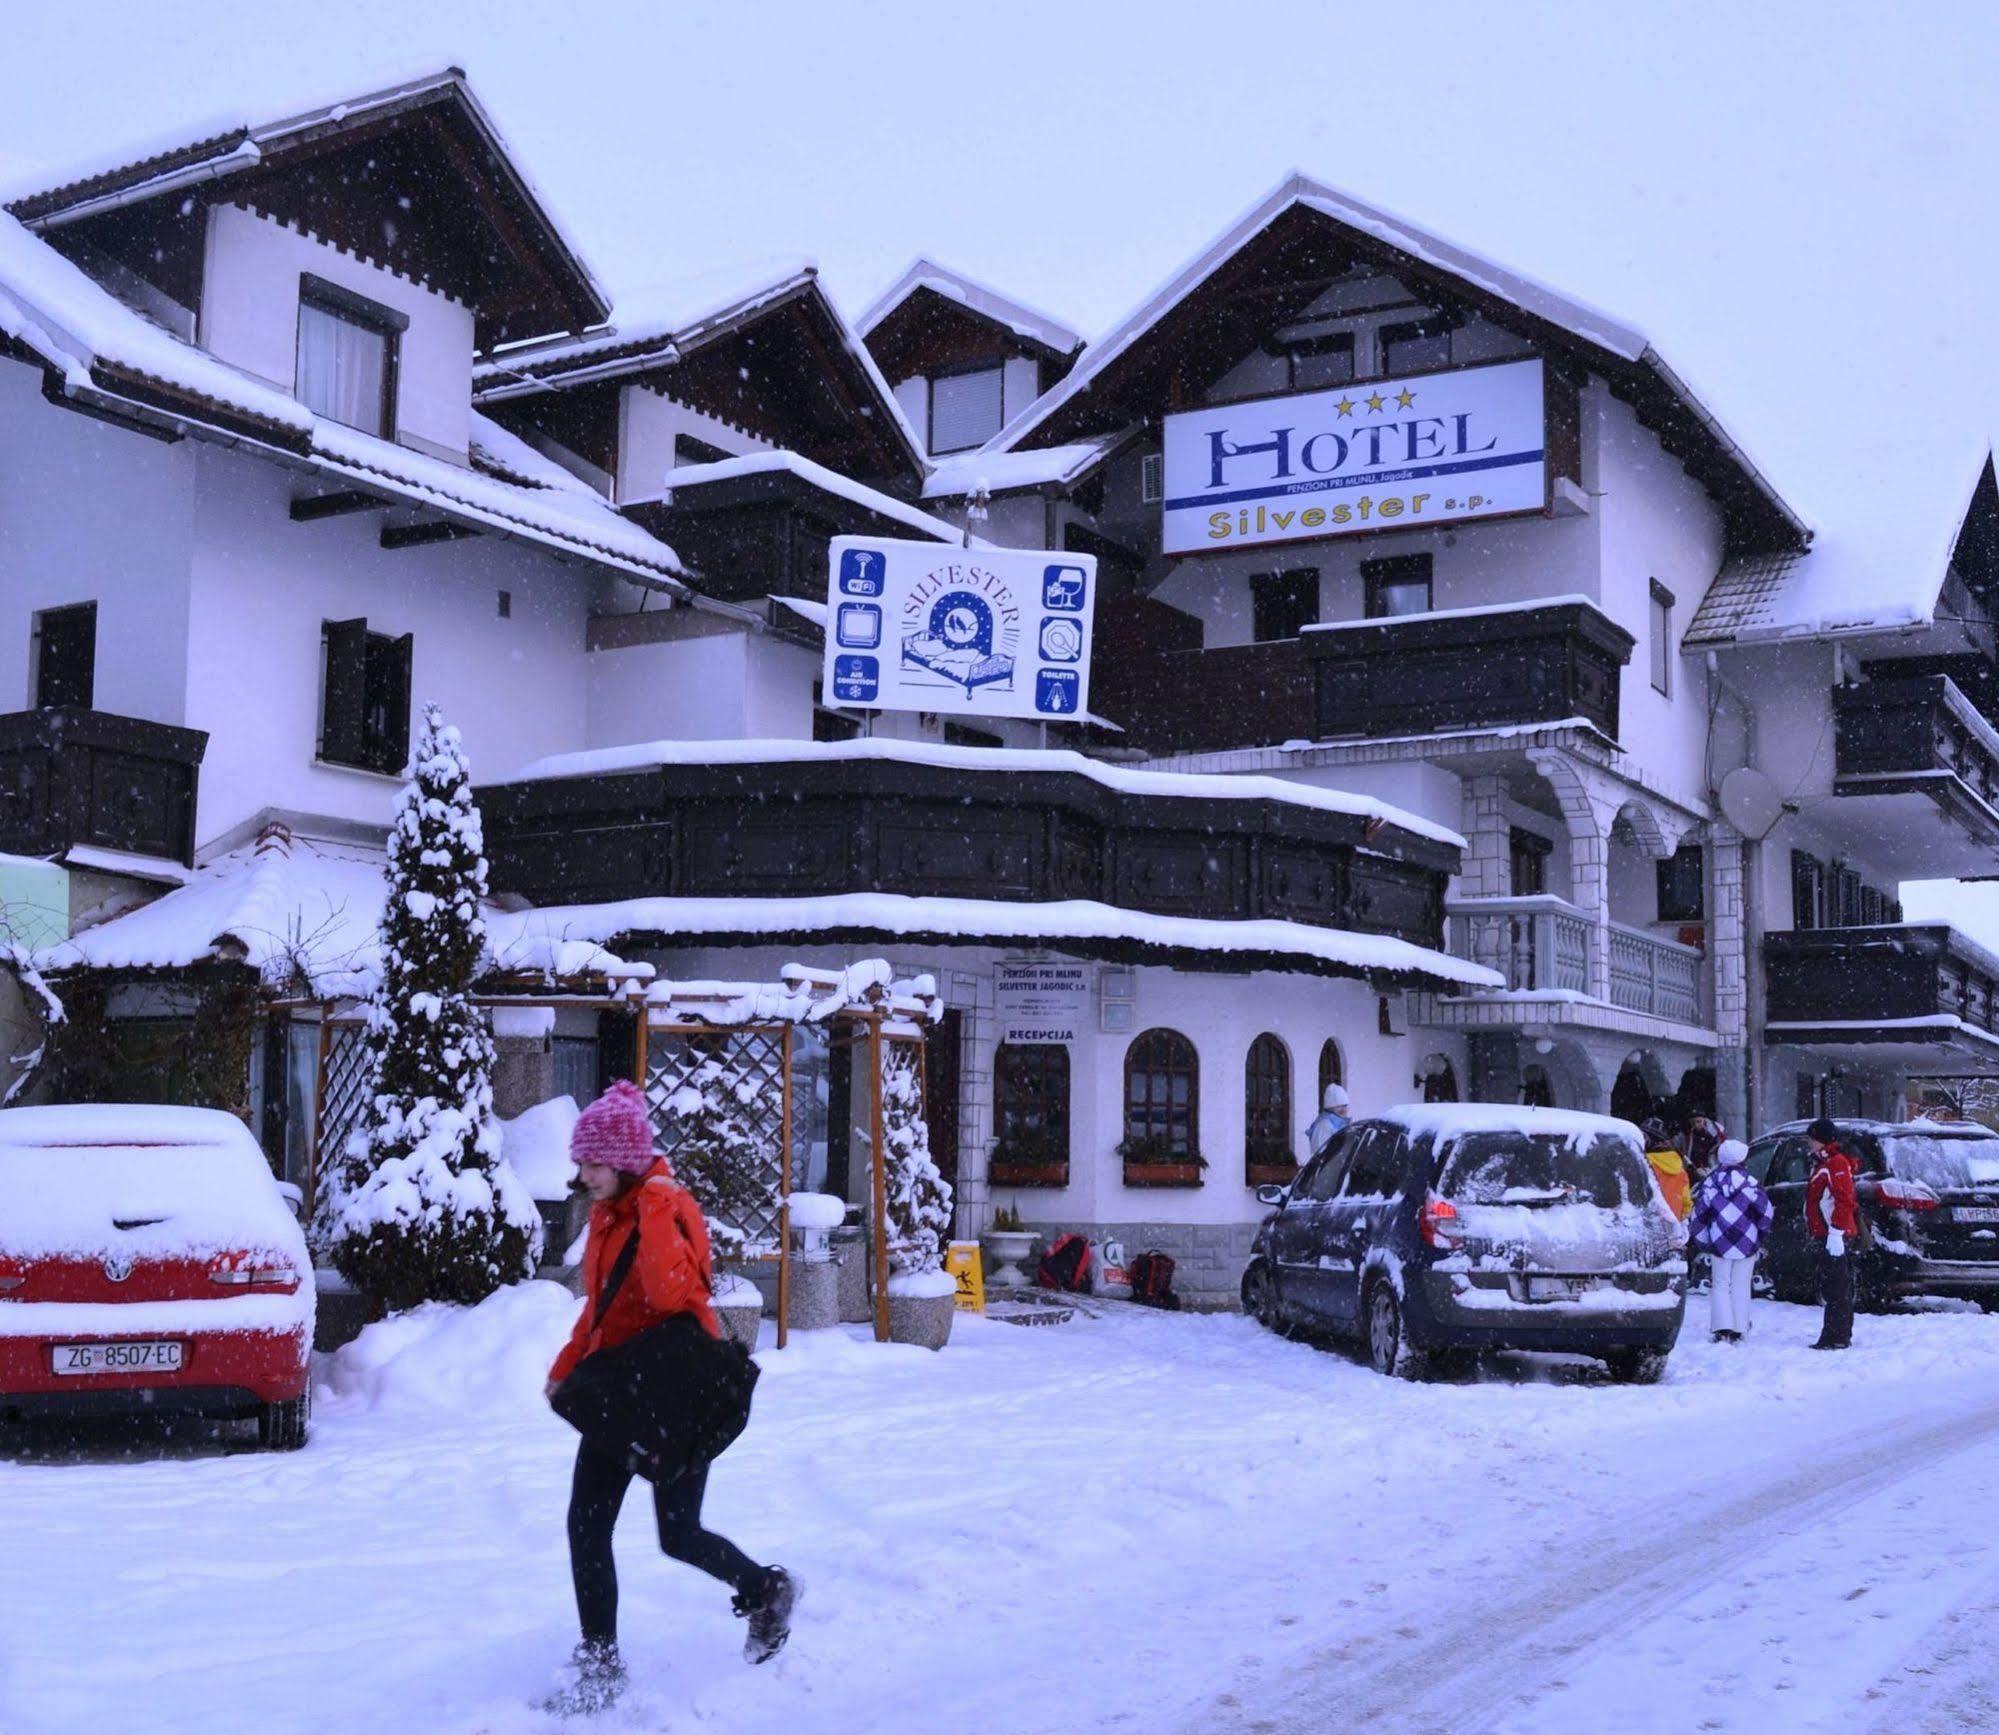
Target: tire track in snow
x,y
1483,1659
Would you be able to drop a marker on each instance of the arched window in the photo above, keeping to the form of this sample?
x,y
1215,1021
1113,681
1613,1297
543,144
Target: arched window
x,y
1030,1115
1266,1107
1162,1091
1537,1090
1332,1070
1440,1079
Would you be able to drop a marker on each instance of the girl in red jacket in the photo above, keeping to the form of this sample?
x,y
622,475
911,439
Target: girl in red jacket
x,y
635,1194
1830,1217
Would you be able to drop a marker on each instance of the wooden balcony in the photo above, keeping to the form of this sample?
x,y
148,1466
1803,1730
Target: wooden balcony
x,y
1918,735
1009,827
1890,985
72,778
1461,669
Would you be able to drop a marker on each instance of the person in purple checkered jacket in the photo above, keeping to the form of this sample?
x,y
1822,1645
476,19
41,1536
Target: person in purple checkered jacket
x,y
1731,1216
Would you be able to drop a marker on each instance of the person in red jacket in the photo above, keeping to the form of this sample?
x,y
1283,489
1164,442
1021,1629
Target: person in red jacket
x,y
634,1193
1831,1217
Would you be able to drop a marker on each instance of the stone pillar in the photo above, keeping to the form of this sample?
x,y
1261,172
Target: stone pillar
x,y
1589,891
1487,870
523,1058
1728,962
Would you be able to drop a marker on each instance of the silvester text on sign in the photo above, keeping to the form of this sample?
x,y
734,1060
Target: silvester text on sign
x,y
1041,1001
1429,449
982,632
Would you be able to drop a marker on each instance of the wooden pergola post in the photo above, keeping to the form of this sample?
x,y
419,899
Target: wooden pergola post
x,y
879,1164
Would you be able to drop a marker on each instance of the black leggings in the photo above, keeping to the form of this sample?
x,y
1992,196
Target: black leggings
x,y
595,1494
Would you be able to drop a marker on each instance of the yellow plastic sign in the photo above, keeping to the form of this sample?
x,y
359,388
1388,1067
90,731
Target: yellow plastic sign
x,y
965,1262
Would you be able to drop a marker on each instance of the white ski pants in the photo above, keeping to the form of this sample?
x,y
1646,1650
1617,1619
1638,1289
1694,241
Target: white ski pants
x,y
1728,1293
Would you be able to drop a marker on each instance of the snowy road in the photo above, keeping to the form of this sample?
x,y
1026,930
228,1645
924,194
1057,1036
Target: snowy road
x,y
1130,1523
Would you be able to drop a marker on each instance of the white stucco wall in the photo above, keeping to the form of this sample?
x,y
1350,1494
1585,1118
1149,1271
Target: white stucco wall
x,y
648,422
261,588
249,317
91,512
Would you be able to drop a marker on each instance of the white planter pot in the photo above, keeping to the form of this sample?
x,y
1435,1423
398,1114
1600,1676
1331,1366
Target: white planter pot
x,y
1007,1248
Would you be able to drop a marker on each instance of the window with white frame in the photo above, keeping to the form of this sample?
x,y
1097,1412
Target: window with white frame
x,y
965,409
1662,637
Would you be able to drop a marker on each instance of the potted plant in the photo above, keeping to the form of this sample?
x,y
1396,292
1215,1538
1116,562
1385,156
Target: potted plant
x,y
1156,1161
1028,1159
922,1295
1007,1244
1269,1166
739,1307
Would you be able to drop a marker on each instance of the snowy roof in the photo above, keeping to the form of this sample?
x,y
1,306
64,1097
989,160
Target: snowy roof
x,y
818,476
1182,785
104,350
1871,568
304,913
1330,951
1611,338
232,144
1018,318
1001,472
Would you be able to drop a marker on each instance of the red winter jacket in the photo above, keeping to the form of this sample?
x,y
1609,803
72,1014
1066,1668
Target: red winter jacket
x,y
1832,1176
672,1273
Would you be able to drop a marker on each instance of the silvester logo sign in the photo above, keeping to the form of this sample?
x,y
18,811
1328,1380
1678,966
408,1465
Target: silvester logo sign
x,y
1430,449
985,632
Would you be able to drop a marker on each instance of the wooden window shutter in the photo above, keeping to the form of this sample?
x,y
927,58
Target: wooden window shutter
x,y
343,712
401,655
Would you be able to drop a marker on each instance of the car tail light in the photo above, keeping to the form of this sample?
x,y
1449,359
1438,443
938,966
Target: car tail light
x,y
1440,1224
241,1271
1906,1195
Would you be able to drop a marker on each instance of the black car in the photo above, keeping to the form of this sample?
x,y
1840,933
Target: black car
x,y
1437,1231
1928,1198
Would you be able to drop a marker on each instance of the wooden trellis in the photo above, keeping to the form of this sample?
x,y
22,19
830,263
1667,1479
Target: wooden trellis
x,y
343,1087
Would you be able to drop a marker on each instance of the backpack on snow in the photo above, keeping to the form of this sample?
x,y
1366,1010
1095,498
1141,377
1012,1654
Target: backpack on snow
x,y
1152,1280
1066,1265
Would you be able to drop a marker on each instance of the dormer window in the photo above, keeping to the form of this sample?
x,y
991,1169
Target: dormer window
x,y
1415,346
965,409
347,357
1324,360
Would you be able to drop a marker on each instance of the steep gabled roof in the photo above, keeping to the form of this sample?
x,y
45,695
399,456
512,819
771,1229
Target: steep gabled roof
x,y
542,285
926,275
1089,400
678,328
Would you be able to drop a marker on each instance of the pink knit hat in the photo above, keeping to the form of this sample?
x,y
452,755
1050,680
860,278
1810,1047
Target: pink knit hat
x,y
616,1131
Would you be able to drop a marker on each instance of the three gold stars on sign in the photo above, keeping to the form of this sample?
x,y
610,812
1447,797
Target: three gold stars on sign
x,y
1377,403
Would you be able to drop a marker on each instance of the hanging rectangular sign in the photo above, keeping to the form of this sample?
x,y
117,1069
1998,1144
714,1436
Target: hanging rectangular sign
x,y
1041,1001
1389,454
964,632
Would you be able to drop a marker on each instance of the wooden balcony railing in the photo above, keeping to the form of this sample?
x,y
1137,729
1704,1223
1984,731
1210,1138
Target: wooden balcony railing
x,y
71,777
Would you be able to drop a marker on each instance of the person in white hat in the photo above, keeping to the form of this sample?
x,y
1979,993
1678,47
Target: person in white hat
x,y
1331,1120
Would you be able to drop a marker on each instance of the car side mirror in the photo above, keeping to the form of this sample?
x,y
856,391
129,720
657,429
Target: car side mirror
x,y
1273,1195
294,1197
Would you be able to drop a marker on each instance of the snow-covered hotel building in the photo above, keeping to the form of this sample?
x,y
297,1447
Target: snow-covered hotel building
x,y
312,420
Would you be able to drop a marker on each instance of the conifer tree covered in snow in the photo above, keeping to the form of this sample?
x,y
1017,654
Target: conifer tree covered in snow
x,y
429,1210
919,1198
711,1135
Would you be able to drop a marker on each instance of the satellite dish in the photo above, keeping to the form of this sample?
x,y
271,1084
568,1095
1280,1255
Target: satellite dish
x,y
1750,802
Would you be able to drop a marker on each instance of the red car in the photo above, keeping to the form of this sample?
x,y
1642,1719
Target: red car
x,y
148,1261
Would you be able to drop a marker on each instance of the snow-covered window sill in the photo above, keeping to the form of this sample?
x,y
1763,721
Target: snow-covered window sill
x,y
395,777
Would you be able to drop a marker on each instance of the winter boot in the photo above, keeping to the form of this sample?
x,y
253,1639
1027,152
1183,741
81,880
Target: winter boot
x,y
769,1610
596,1677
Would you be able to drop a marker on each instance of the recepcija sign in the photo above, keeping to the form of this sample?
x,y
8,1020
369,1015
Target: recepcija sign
x,y
985,632
1041,1002
1430,449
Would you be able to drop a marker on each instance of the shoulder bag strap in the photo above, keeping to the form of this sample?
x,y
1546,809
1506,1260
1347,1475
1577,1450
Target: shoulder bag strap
x,y
620,1269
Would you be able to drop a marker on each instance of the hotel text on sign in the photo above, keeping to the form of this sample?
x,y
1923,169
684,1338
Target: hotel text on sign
x,y
1430,449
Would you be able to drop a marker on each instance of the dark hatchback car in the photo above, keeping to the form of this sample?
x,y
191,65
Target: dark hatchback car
x,y
1435,1232
1928,1198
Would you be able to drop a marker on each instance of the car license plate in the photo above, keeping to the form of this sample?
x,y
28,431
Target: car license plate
x,y
1558,1288
1976,1213
154,1356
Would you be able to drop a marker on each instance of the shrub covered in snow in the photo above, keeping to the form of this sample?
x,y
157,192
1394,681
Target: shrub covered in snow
x,y
710,1137
428,1208
919,1198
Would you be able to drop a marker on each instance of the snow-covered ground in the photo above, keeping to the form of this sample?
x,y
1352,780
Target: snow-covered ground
x,y
1136,1522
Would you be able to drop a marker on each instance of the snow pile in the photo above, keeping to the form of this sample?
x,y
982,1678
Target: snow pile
x,y
817,1211
535,1144
469,1362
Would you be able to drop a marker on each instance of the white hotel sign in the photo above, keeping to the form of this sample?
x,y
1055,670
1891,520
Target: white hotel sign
x,y
1430,449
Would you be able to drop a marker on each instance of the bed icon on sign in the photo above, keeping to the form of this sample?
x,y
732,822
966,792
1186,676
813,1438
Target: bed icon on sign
x,y
857,680
862,571
1055,692
1062,588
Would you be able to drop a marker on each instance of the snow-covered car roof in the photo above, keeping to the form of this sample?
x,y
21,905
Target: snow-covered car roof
x,y
144,1178
1453,1120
